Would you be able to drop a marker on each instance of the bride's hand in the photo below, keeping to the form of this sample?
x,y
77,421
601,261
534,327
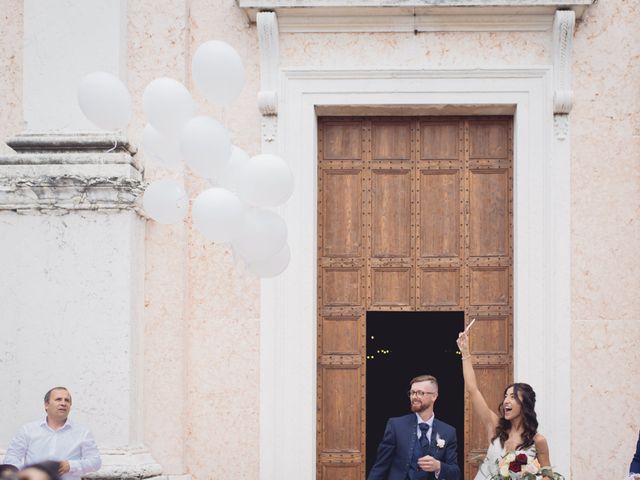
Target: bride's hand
x,y
463,345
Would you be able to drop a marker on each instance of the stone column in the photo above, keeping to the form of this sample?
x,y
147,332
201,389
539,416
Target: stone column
x,y
72,242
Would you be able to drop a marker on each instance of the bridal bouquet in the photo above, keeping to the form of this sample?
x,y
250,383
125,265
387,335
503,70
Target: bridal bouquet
x,y
519,466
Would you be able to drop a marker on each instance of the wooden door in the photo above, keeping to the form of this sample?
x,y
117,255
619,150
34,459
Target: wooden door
x,y
413,214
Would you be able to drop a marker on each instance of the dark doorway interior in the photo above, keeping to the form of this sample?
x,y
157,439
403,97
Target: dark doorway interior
x,y
400,346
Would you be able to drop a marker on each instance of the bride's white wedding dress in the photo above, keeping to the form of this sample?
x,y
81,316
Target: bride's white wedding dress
x,y
495,452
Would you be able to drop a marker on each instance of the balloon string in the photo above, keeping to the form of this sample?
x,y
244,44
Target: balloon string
x,y
115,144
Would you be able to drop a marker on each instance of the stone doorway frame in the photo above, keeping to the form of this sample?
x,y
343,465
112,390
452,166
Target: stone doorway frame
x,y
541,241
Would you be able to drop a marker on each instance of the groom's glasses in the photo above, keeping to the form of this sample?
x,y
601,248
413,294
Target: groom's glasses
x,y
419,393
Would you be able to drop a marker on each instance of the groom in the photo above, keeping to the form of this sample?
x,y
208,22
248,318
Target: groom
x,y
418,446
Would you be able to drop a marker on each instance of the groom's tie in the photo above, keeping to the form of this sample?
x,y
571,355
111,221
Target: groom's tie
x,y
424,438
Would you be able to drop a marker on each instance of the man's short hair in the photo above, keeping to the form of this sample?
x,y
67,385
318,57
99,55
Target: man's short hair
x,y
50,467
424,378
7,467
47,396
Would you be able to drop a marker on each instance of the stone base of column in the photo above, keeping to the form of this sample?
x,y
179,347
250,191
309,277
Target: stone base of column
x,y
127,464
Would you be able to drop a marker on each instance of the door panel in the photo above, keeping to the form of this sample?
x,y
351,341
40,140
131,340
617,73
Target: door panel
x,y
439,213
390,213
342,197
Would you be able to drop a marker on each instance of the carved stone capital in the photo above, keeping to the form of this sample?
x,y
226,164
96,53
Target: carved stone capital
x,y
563,27
57,173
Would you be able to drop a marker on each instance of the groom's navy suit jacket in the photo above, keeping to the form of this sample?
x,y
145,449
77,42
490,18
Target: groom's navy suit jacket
x,y
396,450
635,463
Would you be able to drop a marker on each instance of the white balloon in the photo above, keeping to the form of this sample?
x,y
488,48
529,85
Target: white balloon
x,y
218,72
206,146
230,177
160,148
262,234
265,181
167,105
271,266
105,100
165,201
217,214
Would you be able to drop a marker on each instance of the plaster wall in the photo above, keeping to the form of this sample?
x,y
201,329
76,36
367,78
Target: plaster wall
x,y
65,292
605,234
409,50
201,313
11,44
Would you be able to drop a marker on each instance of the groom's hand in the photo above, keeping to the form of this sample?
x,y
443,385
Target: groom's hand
x,y
429,464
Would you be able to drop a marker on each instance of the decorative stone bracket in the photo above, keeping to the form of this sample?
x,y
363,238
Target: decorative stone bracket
x,y
267,25
57,173
563,28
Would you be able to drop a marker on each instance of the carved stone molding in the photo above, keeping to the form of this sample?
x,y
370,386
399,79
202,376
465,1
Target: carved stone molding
x,y
561,125
563,28
298,16
267,25
55,173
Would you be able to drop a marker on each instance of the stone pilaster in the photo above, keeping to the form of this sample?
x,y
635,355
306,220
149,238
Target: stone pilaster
x,y
72,253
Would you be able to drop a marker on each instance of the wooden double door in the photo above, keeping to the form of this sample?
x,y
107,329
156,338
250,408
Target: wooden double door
x,y
414,214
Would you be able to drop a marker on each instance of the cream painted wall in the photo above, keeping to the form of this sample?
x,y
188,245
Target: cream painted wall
x,y
202,315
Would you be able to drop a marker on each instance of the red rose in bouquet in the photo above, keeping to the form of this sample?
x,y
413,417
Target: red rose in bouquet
x,y
522,459
515,467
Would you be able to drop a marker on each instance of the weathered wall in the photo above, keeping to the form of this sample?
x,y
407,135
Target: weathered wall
x,y
82,341
10,70
408,50
201,317
605,191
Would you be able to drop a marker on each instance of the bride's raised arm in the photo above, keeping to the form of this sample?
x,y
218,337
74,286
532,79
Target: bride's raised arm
x,y
487,416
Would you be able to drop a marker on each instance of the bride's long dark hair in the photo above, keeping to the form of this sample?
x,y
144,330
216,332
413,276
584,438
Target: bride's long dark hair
x,y
526,398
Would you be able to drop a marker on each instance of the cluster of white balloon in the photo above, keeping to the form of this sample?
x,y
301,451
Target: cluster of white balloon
x,y
235,209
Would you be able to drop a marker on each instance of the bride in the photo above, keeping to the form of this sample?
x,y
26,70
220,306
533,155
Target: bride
x,y
517,426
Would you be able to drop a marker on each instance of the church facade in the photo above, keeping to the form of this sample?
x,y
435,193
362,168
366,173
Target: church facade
x,y
469,156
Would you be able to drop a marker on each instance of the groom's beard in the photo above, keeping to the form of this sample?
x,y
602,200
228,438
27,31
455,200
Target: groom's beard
x,y
418,406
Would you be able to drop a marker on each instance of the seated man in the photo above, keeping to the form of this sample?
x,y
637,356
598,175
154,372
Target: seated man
x,y
56,438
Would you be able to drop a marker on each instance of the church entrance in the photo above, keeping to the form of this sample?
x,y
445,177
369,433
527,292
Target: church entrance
x,y
414,215
401,346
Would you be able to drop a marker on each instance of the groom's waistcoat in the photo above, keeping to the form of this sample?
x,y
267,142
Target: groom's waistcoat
x,y
400,449
415,472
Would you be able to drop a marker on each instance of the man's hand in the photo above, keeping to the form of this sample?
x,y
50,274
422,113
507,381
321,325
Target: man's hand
x,y
64,467
636,477
429,464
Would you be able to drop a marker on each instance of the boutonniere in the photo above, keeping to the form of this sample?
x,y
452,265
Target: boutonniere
x,y
440,443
